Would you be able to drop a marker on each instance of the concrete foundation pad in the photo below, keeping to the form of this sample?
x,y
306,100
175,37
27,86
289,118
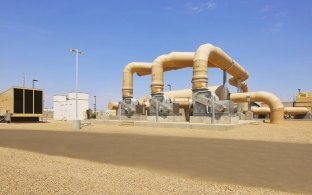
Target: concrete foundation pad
x,y
248,115
177,125
132,118
166,118
217,120
241,116
76,124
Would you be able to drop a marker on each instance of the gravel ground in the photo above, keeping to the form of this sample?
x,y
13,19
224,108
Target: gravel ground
x,y
28,172
23,172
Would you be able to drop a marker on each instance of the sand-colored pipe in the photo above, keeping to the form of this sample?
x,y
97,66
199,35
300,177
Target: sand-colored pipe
x,y
183,97
295,110
276,106
141,68
185,93
244,86
112,105
209,54
287,110
171,61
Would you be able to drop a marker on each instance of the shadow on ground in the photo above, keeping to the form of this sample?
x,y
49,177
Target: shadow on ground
x,y
281,166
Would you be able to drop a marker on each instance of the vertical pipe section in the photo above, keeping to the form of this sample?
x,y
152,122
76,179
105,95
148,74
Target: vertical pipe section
x,y
275,104
208,54
141,68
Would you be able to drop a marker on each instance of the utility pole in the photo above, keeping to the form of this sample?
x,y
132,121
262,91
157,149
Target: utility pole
x,y
76,122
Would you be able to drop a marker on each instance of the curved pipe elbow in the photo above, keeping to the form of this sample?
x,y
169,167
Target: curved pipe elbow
x,y
233,82
209,54
112,106
171,61
141,68
273,102
203,52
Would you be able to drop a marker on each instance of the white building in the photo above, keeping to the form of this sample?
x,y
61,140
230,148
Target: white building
x,y
64,107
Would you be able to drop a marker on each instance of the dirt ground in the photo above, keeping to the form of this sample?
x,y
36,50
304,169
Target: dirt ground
x,y
101,159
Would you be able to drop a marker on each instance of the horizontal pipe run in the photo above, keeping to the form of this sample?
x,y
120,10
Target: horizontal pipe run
x,y
167,62
287,110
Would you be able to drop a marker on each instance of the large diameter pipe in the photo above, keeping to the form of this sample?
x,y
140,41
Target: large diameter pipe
x,y
295,110
261,110
209,54
276,106
171,61
141,68
244,89
112,105
287,110
183,97
234,83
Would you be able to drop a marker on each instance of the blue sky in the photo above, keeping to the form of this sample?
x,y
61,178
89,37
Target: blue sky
x,y
271,39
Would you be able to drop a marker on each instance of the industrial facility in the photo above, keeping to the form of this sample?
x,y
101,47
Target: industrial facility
x,y
202,103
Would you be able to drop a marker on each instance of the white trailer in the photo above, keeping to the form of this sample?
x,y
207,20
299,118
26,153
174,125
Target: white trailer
x,y
64,107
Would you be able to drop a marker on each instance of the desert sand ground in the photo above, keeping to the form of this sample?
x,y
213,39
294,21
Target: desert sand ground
x,y
51,158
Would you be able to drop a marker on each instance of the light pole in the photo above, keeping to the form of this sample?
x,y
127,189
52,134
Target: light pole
x,y
169,87
24,79
34,80
76,122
